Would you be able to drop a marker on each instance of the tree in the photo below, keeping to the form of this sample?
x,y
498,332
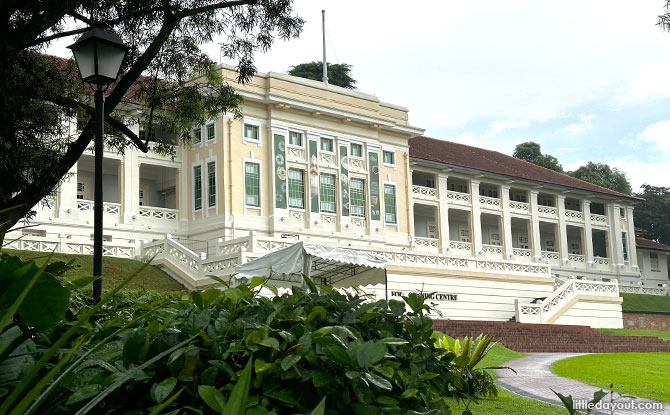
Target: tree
x,y
603,175
38,92
531,152
653,215
338,73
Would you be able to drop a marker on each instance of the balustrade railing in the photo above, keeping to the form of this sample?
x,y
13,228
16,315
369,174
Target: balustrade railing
x,y
490,202
550,256
574,214
425,242
421,192
158,213
579,259
492,249
460,246
519,206
598,219
521,252
601,261
107,207
458,197
547,210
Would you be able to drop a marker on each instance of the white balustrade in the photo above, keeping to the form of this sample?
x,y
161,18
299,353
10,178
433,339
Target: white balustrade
x,y
357,165
460,246
579,259
296,153
641,289
158,213
492,249
550,256
489,202
328,219
107,207
598,219
296,215
574,214
425,193
328,158
549,211
601,261
425,242
521,252
458,197
358,222
519,206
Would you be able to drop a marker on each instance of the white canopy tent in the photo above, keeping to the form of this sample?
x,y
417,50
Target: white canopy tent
x,y
337,267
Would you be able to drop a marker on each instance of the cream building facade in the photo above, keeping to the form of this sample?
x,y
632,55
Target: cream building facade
x,y
309,162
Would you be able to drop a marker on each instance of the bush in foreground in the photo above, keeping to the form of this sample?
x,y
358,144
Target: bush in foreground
x,y
228,351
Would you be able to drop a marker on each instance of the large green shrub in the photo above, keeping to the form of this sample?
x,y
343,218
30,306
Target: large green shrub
x,y
314,351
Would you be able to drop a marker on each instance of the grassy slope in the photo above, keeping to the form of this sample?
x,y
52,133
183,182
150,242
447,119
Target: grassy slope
x,y
661,334
506,402
114,270
644,302
640,374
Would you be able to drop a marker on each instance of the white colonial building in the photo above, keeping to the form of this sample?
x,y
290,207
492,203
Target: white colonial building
x,y
496,237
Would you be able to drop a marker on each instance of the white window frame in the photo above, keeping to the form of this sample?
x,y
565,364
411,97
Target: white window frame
x,y
332,142
213,140
394,158
193,130
365,196
216,187
335,193
362,156
260,183
87,187
654,267
202,189
256,123
383,205
288,138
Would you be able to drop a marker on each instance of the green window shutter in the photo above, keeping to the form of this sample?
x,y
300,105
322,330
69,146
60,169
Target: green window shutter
x,y
197,187
252,195
357,197
327,193
296,189
211,184
390,215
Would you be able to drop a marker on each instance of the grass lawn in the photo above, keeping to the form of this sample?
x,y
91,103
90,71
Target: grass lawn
x,y
644,302
661,334
114,270
506,402
640,374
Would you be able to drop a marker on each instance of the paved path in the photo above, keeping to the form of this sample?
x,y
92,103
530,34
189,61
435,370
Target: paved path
x,y
535,380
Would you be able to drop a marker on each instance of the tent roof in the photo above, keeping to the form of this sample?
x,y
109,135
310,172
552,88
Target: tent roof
x,y
332,264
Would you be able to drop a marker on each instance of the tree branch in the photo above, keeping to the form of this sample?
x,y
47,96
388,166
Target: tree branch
x,y
215,6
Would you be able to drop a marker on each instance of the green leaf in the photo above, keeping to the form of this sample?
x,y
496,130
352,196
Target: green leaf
x,y
310,284
320,409
261,366
83,282
317,311
197,299
164,389
212,397
370,353
83,393
378,381
321,379
289,361
567,402
256,281
282,397
408,393
387,371
157,410
393,340
238,398
136,347
270,342
387,400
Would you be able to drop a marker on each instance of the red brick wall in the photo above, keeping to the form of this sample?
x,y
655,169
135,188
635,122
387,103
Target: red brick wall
x,y
646,321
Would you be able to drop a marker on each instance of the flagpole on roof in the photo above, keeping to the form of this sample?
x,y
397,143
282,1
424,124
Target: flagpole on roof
x,y
323,31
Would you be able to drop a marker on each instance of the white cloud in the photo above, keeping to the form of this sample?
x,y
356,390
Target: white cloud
x,y
584,124
658,134
498,126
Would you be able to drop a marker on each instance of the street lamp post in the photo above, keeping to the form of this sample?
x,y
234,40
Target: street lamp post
x,y
99,55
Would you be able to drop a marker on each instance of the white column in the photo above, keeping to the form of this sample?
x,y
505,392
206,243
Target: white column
x,y
588,233
67,195
562,229
535,227
506,223
131,186
476,219
178,192
617,243
444,212
632,249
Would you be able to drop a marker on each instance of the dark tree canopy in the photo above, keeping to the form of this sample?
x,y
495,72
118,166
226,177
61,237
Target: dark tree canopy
x,y
531,152
338,73
39,93
653,215
603,175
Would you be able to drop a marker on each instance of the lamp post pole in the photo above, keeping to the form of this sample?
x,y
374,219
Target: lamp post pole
x,y
97,205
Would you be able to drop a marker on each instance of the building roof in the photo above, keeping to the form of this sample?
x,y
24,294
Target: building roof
x,y
645,243
461,155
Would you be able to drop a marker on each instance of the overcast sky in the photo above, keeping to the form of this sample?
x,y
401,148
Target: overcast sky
x,y
588,80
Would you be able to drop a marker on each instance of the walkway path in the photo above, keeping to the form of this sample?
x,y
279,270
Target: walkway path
x,y
535,380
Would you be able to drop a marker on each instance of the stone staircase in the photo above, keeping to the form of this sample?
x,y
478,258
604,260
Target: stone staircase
x,y
555,338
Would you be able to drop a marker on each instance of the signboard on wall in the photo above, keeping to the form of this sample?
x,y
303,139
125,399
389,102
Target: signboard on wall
x,y
428,296
373,164
313,176
344,180
280,172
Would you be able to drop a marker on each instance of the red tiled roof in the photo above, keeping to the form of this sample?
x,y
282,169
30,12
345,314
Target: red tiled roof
x,y
645,243
461,155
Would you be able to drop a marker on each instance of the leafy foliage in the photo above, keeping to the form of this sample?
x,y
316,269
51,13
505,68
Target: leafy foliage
x,y
603,175
531,152
468,354
232,352
653,214
338,73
